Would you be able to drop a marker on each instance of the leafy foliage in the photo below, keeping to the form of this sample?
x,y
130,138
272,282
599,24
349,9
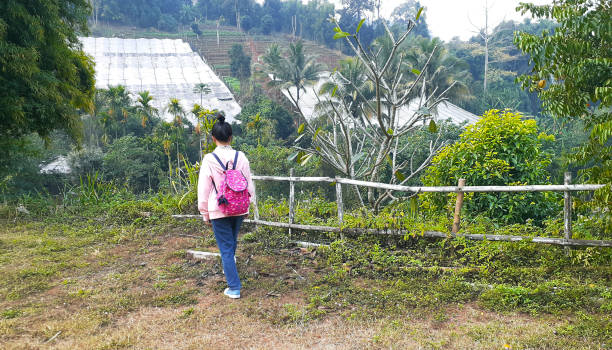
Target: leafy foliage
x,y
45,76
281,124
571,73
500,149
296,70
240,64
133,161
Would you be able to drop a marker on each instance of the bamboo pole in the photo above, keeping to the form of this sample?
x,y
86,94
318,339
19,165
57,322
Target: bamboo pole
x,y
431,234
458,205
291,200
340,207
439,189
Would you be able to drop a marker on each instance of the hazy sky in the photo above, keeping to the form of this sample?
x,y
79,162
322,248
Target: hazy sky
x,y
449,18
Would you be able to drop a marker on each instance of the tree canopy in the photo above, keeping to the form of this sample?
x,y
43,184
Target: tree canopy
x,y
572,70
240,63
45,76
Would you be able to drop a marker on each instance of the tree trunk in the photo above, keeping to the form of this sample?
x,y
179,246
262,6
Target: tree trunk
x,y
379,158
486,40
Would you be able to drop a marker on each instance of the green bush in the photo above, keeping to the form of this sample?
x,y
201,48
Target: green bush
x,y
273,160
503,148
135,162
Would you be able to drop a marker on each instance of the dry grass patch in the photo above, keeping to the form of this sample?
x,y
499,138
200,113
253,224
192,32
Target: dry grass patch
x,y
125,287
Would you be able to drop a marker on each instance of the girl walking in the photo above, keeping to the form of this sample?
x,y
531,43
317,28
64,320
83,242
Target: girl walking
x,y
224,191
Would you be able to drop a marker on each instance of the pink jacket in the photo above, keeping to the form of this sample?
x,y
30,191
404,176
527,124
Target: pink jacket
x,y
211,170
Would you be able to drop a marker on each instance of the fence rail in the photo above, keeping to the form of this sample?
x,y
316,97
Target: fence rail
x,y
440,189
432,234
567,188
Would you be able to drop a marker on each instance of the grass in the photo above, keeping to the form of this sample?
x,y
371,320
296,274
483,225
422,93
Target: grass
x,y
116,280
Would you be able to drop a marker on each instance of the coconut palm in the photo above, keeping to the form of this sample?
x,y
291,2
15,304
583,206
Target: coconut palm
x,y
351,85
271,59
296,70
444,69
144,109
202,89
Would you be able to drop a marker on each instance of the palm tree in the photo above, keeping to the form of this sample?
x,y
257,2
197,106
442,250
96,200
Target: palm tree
x,y
196,110
119,105
174,107
144,109
443,72
272,59
296,70
100,103
202,89
352,86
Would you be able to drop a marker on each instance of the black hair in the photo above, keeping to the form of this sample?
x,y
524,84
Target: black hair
x,y
222,131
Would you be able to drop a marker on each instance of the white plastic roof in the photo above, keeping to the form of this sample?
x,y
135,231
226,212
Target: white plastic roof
x,y
58,166
444,111
167,68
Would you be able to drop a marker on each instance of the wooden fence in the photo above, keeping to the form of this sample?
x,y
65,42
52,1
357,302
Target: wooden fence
x,y
566,188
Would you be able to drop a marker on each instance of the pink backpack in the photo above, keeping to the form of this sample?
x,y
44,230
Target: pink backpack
x,y
233,196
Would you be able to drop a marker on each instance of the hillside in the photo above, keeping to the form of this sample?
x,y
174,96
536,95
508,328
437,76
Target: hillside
x,y
218,55
255,45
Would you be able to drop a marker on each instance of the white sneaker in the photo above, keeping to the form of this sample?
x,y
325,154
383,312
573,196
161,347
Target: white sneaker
x,y
233,294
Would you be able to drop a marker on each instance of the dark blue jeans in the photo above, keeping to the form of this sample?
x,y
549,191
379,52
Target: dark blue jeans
x,y
226,233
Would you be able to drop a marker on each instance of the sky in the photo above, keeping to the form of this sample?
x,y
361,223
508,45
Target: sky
x,y
449,18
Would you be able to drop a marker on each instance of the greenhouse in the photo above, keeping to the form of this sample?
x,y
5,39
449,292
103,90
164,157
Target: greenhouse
x,y
167,68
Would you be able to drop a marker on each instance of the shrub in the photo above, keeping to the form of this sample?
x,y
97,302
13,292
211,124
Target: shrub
x,y
133,161
503,148
85,161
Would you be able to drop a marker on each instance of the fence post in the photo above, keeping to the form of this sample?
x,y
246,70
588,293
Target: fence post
x,y
567,209
340,206
255,208
458,205
291,200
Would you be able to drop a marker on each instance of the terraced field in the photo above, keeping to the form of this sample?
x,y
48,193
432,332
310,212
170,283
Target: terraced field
x,y
255,45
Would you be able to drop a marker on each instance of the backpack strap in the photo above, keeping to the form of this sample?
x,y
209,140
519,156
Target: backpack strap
x,y
235,160
224,167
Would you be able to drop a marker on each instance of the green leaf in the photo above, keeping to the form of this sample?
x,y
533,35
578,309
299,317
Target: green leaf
x,y
337,29
419,14
433,128
400,176
390,131
341,35
301,129
416,71
414,206
316,133
293,156
300,156
305,159
334,91
359,26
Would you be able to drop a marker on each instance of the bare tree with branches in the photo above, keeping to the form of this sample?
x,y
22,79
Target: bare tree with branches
x,y
367,145
485,35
